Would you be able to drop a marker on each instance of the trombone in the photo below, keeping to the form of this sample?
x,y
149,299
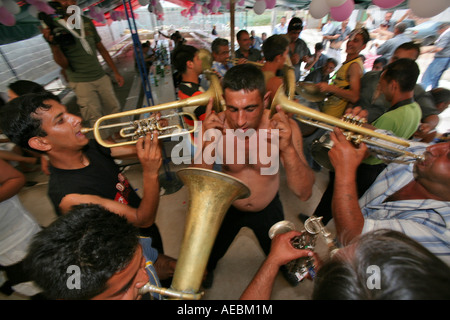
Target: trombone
x,y
133,130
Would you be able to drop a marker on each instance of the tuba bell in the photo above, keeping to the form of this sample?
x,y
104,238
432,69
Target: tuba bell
x,y
210,195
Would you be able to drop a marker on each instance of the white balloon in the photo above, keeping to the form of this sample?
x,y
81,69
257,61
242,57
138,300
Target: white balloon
x,y
33,11
11,6
424,9
335,3
319,8
259,7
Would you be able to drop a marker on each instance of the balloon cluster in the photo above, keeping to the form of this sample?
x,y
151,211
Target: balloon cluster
x,y
341,10
117,15
9,8
97,14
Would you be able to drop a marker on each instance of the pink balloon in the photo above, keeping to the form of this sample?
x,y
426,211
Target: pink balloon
x,y
386,4
270,4
342,12
6,17
44,7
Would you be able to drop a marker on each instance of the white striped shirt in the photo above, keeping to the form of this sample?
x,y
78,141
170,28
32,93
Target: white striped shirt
x,y
425,220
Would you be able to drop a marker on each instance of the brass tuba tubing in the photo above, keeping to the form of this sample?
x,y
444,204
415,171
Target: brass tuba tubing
x,y
211,193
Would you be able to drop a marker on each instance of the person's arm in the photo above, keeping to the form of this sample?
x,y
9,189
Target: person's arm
x,y
11,181
347,214
214,122
300,177
352,94
281,252
165,266
426,131
57,53
105,54
149,154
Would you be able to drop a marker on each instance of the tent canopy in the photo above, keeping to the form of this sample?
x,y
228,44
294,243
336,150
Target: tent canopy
x,y
26,26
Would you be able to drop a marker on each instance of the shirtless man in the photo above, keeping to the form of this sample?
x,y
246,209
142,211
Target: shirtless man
x,y
247,114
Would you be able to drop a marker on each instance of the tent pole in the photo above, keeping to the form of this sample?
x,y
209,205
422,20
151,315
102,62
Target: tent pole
x,y
232,5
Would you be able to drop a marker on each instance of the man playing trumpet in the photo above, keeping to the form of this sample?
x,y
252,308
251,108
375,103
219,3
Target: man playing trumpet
x,y
82,171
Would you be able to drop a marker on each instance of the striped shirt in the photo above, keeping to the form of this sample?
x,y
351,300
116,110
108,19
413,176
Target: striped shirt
x,y
425,220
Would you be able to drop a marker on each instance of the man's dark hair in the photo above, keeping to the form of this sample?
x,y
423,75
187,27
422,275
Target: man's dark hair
x,y
363,32
18,119
21,87
240,33
440,95
408,271
181,55
274,46
404,71
333,61
217,43
295,24
381,60
409,46
99,242
245,77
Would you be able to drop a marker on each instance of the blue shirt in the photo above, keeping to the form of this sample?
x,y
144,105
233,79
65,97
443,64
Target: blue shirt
x,y
425,220
150,255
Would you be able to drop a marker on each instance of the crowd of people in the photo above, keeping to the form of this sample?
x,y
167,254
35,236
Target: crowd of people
x,y
394,216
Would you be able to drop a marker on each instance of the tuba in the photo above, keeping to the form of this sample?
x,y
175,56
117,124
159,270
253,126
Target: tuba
x,y
210,195
133,130
379,143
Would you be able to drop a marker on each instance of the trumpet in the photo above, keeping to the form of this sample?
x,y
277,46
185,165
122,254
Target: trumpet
x,y
356,133
236,60
133,130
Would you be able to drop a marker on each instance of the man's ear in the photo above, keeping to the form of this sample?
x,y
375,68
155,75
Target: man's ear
x,y
267,99
39,143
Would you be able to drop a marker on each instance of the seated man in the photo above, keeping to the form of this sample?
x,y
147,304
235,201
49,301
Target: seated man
x,y
412,198
92,253
81,170
275,50
379,265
